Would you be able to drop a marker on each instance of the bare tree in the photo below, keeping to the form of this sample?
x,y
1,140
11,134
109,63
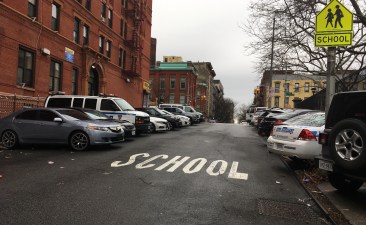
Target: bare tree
x,y
289,27
224,109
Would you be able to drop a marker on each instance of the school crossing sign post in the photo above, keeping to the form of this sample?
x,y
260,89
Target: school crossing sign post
x,y
334,26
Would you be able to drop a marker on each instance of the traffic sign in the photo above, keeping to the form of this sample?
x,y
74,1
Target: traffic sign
x,y
334,26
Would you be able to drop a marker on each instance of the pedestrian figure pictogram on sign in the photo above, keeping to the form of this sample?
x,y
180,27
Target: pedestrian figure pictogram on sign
x,y
339,16
334,26
329,18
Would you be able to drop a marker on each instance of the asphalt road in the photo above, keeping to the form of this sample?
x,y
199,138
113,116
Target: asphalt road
x,y
203,174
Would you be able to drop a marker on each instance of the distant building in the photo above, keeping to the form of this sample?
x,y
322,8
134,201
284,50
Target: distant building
x,y
205,88
284,88
172,59
80,47
173,82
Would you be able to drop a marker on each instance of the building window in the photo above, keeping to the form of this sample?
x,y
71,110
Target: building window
x,y
55,76
110,18
108,48
87,4
55,17
25,68
124,4
286,86
123,28
122,58
101,44
171,98
182,83
32,8
74,84
297,87
162,83
364,86
104,11
277,87
182,99
277,101
76,32
85,35
286,101
172,83
306,88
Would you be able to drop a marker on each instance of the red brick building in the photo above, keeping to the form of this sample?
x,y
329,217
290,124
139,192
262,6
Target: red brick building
x,y
83,47
173,82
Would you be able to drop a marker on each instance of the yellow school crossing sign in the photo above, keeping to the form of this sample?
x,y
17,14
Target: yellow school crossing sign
x,y
334,26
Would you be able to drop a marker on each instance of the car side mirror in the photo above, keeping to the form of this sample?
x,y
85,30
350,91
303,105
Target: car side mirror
x,y
57,119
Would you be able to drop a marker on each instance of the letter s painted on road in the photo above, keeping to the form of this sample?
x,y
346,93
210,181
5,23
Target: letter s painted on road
x,y
131,161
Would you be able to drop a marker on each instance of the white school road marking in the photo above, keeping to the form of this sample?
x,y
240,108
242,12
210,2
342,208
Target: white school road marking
x,y
194,166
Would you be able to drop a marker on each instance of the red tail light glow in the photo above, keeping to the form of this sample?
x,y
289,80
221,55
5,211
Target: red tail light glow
x,y
278,122
306,135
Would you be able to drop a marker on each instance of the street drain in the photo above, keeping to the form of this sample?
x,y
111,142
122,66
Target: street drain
x,y
288,210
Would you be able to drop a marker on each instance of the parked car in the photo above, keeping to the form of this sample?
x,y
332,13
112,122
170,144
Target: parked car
x,y
186,121
266,113
185,108
250,112
57,126
344,141
298,137
159,124
128,128
266,126
156,112
194,117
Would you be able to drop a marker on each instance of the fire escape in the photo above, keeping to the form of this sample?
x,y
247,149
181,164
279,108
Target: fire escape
x,y
136,13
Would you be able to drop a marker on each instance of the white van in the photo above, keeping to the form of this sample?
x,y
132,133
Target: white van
x,y
113,107
250,112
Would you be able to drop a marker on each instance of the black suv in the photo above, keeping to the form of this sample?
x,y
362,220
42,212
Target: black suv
x,y
173,120
344,141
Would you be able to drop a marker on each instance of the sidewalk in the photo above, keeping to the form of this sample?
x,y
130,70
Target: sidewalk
x,y
352,206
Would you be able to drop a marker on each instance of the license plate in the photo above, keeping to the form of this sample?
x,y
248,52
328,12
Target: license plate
x,y
133,132
279,145
325,165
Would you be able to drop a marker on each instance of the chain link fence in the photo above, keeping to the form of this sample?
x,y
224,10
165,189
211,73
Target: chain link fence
x,y
10,103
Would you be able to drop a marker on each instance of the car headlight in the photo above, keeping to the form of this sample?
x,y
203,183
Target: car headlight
x,y
90,127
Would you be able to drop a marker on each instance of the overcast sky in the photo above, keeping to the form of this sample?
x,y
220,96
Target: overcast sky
x,y
208,31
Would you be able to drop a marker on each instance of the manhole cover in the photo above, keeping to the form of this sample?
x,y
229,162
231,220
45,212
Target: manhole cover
x,y
287,210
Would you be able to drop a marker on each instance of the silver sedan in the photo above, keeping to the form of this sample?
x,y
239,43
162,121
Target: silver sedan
x,y
57,126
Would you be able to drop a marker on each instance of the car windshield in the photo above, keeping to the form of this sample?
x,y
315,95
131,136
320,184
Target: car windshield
x,y
309,119
125,106
71,114
290,114
96,115
166,112
160,111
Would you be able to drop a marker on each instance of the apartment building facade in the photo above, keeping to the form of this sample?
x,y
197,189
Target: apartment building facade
x,y
83,47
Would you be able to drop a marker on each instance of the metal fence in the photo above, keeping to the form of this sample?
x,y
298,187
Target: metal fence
x,y
10,103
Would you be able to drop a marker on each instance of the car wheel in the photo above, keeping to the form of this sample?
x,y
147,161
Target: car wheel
x,y
79,141
347,144
9,139
170,126
152,128
344,184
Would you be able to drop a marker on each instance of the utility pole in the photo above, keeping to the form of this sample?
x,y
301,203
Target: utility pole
x,y
330,89
271,68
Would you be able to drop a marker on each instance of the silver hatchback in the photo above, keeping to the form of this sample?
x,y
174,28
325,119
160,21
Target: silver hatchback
x,y
57,126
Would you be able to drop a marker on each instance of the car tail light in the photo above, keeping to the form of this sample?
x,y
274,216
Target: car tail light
x,y
323,139
278,122
306,135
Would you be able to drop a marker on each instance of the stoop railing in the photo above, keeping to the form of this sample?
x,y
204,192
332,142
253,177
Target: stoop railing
x,y
10,103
